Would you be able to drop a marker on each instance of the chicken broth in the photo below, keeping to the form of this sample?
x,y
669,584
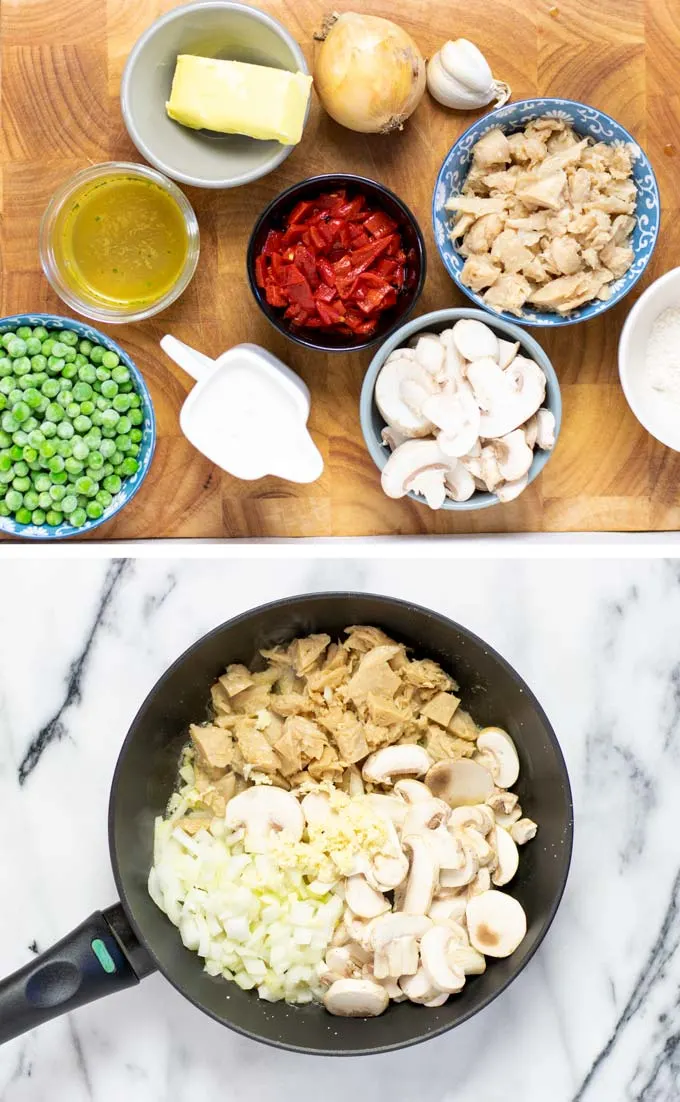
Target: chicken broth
x,y
122,241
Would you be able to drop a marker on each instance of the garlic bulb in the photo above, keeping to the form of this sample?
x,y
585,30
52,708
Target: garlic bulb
x,y
458,76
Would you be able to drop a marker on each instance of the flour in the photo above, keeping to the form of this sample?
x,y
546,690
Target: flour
x,y
662,356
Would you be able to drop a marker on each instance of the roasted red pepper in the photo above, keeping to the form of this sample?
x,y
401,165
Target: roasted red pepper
x,y
336,265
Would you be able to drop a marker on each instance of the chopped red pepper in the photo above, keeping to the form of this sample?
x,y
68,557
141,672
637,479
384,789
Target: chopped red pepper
x,y
336,265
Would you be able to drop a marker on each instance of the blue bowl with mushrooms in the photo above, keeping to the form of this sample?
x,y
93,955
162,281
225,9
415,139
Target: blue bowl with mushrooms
x,y
77,427
641,206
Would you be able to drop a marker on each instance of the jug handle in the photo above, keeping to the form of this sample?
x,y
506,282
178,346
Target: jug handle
x,y
194,363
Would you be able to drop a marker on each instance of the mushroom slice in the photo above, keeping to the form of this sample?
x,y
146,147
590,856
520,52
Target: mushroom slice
x,y
402,957
438,1000
497,742
396,371
454,363
359,930
545,429
430,485
460,782
507,856
457,415
316,808
356,785
430,353
530,429
391,807
339,964
478,816
496,923
263,809
467,959
481,883
426,815
419,988
434,954
513,455
460,878
412,791
352,998
508,491
475,340
512,401
407,461
449,911
396,761
362,899
523,831
397,924
387,873
460,484
422,878
489,384
476,841
506,352
488,466
392,438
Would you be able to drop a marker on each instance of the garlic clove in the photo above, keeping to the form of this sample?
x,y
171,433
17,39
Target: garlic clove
x,y
466,63
450,92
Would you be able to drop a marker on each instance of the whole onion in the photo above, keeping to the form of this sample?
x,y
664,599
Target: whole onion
x,y
370,75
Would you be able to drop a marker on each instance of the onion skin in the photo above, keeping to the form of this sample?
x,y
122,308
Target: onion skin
x,y
370,74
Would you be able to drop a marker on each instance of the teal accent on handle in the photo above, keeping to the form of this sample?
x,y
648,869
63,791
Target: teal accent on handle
x,y
103,956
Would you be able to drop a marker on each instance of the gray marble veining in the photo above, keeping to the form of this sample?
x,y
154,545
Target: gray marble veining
x,y
595,1017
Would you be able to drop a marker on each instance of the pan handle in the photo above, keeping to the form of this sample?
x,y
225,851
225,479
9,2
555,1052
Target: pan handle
x,y
99,957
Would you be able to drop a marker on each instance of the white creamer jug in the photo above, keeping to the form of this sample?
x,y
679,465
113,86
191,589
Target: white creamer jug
x,y
247,413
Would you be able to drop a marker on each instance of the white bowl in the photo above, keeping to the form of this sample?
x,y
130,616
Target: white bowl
x,y
658,414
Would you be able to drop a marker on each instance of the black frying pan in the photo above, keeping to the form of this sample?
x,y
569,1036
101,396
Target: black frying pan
x,y
116,948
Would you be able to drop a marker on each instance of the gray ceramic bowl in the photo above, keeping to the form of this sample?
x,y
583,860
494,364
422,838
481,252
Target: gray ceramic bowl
x,y
372,422
214,28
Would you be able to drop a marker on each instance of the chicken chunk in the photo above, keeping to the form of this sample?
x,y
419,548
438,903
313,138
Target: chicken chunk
x,y
565,255
546,192
236,679
214,745
470,204
492,149
441,708
481,236
617,258
479,272
509,252
509,292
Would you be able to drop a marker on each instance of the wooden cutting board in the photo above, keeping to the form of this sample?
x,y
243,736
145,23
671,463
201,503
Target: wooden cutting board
x,y
61,66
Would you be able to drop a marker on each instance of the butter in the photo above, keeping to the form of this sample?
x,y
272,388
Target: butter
x,y
234,98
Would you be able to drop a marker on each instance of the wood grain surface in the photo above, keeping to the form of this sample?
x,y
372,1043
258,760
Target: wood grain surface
x,y
61,64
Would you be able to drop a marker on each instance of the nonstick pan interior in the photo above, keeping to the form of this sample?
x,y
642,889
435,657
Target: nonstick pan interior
x,y
147,770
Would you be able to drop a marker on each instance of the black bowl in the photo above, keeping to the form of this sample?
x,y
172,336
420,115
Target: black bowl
x,y
273,217
147,770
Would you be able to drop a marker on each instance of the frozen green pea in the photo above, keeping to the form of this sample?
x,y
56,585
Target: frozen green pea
x,y
73,466
33,346
14,500
104,498
44,500
54,518
21,412
103,375
69,371
22,484
42,482
96,417
54,366
78,517
73,410
15,396
64,399
7,337
59,477
87,408
8,422
94,510
135,436
24,332
23,516
20,438
86,485
49,428
64,449
81,391
59,349
96,354
130,465
110,360
57,493
30,454
47,346
6,462
54,412
31,500
121,403
87,373
32,397
106,470
69,503
120,374
107,448
69,337
6,477
47,449
40,333
85,347
124,425
38,516
21,468
81,450
16,348
22,366
109,389
50,388
112,483
6,385
81,423
38,363
5,439
65,430
69,356
79,361
5,367
110,418
55,464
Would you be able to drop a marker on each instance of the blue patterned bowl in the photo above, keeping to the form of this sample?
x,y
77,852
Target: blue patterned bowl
x,y
585,120
148,442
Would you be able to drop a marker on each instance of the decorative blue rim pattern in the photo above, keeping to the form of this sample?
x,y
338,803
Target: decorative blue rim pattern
x,y
148,443
585,120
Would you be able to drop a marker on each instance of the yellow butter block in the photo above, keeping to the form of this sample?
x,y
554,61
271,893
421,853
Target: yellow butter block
x,y
234,98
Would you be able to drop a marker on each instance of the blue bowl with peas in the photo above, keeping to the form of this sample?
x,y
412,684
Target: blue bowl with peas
x,y
77,427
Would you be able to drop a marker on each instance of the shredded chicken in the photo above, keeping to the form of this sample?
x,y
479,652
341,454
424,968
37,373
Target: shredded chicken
x,y
545,217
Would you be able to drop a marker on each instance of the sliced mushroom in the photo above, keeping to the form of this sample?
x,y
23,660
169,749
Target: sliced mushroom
x,y
457,416
506,352
402,957
339,964
316,808
426,815
448,911
396,761
489,384
476,841
478,816
460,878
467,959
460,782
475,340
496,923
523,831
391,807
507,857
408,461
505,807
392,438
389,398
362,899
454,364
512,400
387,873
481,883
353,998
508,491
490,472
412,791
422,878
359,930
513,455
263,809
429,484
497,742
530,429
438,1000
430,353
397,924
434,954
459,483
419,988
545,429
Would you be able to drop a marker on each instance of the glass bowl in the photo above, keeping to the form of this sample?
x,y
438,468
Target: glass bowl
x,y
56,270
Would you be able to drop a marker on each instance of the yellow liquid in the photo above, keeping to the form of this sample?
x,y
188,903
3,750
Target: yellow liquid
x,y
122,241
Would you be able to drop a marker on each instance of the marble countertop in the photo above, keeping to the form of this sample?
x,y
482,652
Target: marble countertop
x,y
594,1017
